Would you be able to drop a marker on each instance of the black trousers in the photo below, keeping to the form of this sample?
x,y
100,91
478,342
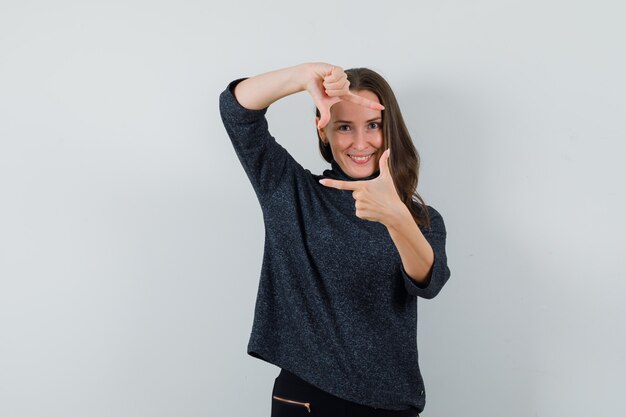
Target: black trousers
x,y
293,397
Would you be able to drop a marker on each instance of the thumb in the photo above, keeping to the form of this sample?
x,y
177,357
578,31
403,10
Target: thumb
x,y
325,110
324,117
382,163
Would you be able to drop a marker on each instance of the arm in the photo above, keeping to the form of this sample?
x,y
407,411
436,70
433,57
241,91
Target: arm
x,y
260,91
243,105
264,160
416,253
424,261
245,101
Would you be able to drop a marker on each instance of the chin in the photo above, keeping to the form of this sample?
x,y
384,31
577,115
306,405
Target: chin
x,y
361,173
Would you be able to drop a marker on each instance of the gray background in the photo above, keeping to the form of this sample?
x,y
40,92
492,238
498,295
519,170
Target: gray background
x,y
131,240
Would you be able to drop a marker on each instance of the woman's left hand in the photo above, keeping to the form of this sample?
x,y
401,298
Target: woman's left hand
x,y
375,199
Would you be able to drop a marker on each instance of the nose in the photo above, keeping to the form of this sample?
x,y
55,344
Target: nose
x,y
361,139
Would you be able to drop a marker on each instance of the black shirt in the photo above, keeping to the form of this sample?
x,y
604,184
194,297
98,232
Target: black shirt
x,y
334,304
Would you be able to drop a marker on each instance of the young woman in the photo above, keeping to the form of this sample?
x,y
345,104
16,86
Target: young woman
x,y
347,253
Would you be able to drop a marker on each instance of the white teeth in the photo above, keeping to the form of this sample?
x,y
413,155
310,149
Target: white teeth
x,y
361,158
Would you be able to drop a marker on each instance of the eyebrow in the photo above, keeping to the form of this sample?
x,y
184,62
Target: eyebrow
x,y
349,122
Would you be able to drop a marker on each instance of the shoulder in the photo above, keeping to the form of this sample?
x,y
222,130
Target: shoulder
x,y
434,213
437,224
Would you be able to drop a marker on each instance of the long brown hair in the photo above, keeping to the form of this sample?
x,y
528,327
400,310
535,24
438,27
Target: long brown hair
x,y
404,160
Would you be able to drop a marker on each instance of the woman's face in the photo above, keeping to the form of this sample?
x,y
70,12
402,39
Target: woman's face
x,y
355,135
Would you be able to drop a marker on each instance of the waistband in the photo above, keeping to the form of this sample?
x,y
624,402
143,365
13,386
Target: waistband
x,y
292,379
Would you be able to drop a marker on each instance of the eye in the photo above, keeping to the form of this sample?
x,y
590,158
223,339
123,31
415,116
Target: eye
x,y
375,125
341,127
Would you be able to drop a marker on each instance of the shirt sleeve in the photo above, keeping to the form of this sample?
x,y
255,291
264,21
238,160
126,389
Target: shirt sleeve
x,y
440,272
264,160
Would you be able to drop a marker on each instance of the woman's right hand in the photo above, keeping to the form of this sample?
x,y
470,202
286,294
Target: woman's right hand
x,y
328,85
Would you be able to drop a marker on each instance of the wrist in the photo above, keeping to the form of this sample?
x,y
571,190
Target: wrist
x,y
298,76
398,217
313,73
305,74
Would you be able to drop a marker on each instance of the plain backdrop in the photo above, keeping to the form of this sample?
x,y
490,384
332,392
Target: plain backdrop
x,y
131,240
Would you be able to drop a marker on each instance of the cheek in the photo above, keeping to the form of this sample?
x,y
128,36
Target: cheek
x,y
340,142
380,140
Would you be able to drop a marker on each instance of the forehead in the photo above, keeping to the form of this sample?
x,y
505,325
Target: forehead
x,y
346,110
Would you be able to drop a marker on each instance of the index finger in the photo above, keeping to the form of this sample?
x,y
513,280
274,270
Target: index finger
x,y
341,185
363,101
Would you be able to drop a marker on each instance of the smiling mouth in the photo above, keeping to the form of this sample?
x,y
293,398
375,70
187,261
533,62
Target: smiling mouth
x,y
361,159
